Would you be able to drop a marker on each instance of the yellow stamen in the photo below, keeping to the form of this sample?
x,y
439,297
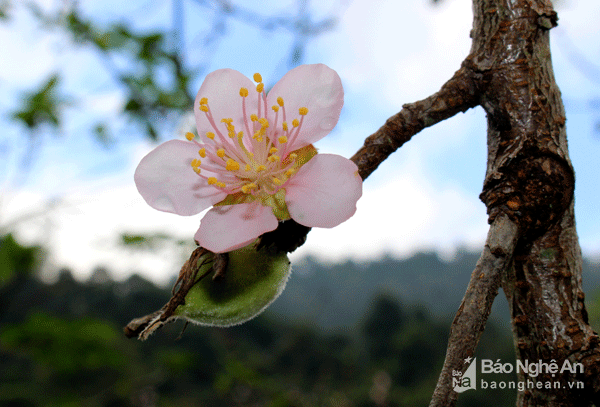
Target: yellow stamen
x,y
212,181
189,136
204,108
196,162
303,111
248,187
260,168
280,101
289,172
275,108
210,135
273,150
202,152
232,165
221,184
260,87
197,170
253,117
273,158
263,122
226,120
293,156
243,92
257,77
276,181
221,152
203,101
247,167
295,123
285,126
282,140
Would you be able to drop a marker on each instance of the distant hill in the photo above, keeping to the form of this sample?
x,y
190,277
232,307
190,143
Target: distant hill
x,y
336,296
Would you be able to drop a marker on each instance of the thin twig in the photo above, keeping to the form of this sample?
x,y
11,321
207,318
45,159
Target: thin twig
x,y
143,327
475,308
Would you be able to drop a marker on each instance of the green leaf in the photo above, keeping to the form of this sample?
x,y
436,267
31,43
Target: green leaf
x,y
252,281
42,106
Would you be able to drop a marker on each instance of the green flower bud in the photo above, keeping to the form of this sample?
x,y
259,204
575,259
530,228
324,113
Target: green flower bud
x,y
251,282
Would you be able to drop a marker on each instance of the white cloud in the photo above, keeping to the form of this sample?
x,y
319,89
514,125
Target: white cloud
x,y
401,50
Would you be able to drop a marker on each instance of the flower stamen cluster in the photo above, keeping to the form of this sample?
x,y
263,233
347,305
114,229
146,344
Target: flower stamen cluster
x,y
250,165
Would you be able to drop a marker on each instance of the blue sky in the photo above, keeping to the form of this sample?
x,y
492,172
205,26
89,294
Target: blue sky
x,y
425,197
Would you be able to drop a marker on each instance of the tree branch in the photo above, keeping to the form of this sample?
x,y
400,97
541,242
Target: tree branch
x,y
459,94
469,322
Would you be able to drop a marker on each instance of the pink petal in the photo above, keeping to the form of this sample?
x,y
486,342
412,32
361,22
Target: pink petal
x,y
229,227
324,192
222,89
167,182
316,87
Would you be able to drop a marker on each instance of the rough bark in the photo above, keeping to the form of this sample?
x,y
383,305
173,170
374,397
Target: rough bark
x,y
530,179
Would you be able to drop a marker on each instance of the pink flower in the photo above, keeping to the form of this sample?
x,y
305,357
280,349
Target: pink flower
x,y
255,161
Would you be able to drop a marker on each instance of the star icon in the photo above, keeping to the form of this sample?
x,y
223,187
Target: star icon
x,y
468,359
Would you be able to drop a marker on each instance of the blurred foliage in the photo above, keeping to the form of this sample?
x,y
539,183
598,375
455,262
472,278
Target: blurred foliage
x,y
15,260
61,345
149,67
42,106
149,56
150,242
4,10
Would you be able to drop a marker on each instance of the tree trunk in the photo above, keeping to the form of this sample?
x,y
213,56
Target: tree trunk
x,y
530,178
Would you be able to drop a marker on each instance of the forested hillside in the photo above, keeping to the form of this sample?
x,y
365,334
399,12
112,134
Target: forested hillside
x,y
340,335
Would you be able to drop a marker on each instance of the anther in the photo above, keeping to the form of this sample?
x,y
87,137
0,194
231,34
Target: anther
x,y
254,117
285,126
273,158
276,181
282,140
280,101
275,108
221,152
221,184
212,181
260,87
257,77
232,165
189,136
204,108
210,135
260,168
243,92
246,188
303,111
273,150
202,152
295,123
